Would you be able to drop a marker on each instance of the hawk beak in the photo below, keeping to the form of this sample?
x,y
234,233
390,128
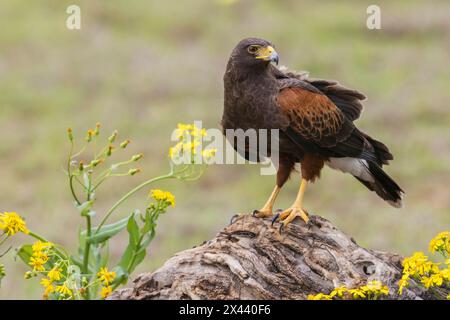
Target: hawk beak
x,y
268,54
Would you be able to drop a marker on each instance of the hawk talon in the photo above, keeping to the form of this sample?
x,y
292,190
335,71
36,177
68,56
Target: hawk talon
x,y
275,218
287,216
262,213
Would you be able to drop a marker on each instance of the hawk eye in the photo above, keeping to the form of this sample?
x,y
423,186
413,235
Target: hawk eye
x,y
253,48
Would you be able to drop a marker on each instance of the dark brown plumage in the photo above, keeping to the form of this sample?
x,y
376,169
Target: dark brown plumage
x,y
315,118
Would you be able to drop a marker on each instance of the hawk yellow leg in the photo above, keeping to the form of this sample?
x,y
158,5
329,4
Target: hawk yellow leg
x,y
266,210
296,210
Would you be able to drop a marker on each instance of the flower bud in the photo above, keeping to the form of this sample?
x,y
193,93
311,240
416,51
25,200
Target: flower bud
x,y
89,135
2,270
110,150
95,162
137,157
132,172
113,137
125,143
97,128
70,134
81,166
29,275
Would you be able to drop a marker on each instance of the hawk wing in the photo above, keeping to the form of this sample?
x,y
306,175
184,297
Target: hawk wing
x,y
347,100
318,125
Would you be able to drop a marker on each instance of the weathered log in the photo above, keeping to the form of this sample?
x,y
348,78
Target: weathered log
x,y
250,259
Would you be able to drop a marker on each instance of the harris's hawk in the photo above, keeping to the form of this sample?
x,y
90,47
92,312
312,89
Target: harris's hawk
x,y
315,122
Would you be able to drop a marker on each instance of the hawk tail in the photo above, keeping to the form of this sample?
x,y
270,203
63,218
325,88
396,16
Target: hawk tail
x,y
381,151
383,185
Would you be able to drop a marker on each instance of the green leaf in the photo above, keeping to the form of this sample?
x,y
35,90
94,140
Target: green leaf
x,y
146,242
95,256
137,260
121,275
126,257
85,208
133,231
25,252
107,231
133,242
105,256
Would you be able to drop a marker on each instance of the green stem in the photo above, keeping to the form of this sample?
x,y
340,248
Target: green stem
x,y
72,189
87,246
129,194
107,173
138,247
70,174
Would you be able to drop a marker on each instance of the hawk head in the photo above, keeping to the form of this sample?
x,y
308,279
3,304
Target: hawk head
x,y
253,52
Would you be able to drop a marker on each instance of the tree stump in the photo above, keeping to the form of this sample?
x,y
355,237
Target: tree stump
x,y
251,259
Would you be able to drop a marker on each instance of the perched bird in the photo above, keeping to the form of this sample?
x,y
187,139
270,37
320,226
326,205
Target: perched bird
x,y
315,122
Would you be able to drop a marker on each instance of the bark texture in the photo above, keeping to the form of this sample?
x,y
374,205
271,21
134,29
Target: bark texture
x,y
250,259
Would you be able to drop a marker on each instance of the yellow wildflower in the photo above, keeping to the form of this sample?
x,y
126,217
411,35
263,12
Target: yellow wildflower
x,y
39,246
436,244
55,274
49,289
46,282
433,280
437,279
12,223
403,282
196,132
64,290
338,292
417,263
440,242
357,293
160,195
106,291
445,273
427,282
319,296
375,287
106,276
38,263
190,147
183,128
175,149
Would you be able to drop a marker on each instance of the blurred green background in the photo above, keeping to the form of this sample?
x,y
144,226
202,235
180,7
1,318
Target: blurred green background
x,y
144,66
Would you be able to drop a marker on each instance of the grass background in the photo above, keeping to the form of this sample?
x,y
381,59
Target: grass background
x,y
144,66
